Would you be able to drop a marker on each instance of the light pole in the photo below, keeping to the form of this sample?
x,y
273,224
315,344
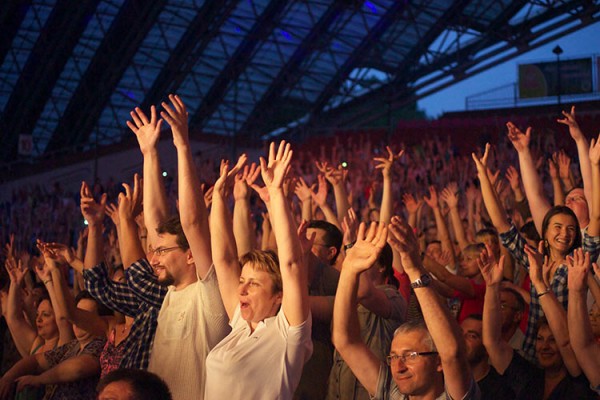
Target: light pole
x,y
558,51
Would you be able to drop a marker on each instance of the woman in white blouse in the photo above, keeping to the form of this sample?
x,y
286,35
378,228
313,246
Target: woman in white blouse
x,y
266,298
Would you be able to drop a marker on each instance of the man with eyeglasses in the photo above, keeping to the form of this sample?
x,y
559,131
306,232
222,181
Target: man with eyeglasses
x,y
427,359
192,318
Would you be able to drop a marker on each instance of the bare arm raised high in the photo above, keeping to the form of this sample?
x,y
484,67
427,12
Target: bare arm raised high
x,y
294,275
147,132
193,213
538,203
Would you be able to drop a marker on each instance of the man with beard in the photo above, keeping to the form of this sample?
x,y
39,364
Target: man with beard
x,y
491,384
192,318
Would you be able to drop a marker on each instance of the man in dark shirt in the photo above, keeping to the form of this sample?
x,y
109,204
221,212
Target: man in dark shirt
x,y
491,384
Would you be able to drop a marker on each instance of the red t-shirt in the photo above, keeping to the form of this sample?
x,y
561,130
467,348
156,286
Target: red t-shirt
x,y
471,305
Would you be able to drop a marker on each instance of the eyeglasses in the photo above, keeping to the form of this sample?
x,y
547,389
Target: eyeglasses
x,y
409,357
159,251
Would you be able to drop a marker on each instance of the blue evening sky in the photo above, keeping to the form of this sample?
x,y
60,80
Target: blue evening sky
x,y
584,42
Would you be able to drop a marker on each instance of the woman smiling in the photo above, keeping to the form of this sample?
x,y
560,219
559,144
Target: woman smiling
x,y
266,298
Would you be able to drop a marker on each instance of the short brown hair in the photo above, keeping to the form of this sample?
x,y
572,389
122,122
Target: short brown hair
x,y
266,261
172,226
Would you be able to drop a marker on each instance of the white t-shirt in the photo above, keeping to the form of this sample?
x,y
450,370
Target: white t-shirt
x,y
191,321
265,364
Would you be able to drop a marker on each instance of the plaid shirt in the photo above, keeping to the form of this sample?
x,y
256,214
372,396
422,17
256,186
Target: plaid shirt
x,y
515,243
124,299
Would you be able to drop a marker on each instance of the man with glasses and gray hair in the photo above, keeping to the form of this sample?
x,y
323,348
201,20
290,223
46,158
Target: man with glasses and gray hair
x,y
427,360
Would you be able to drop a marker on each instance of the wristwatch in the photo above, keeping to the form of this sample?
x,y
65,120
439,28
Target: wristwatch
x,y
423,281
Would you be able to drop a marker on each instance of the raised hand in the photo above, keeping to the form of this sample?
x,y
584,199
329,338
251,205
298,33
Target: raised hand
x,y
519,139
563,161
595,151
61,252
481,163
208,195
224,183
412,205
275,169
539,265
320,197
404,241
386,164
112,210
349,227
130,202
450,195
146,131
491,271
240,187
176,116
571,122
44,270
513,178
15,270
432,201
91,210
302,191
579,267
365,251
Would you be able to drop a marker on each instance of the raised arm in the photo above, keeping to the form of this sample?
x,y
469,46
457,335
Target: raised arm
x,y
442,228
243,230
586,349
582,151
557,189
192,209
385,164
346,329
442,327
65,303
450,196
538,203
147,132
304,194
490,199
336,178
412,207
93,212
130,204
320,198
224,249
47,274
295,304
22,332
554,312
499,351
593,228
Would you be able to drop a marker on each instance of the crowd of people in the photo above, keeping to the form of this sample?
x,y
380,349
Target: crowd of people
x,y
349,270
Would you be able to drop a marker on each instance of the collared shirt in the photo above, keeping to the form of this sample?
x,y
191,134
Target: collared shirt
x,y
124,299
515,243
387,389
262,364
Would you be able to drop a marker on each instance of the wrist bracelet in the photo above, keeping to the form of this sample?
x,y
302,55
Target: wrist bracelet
x,y
544,292
47,280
